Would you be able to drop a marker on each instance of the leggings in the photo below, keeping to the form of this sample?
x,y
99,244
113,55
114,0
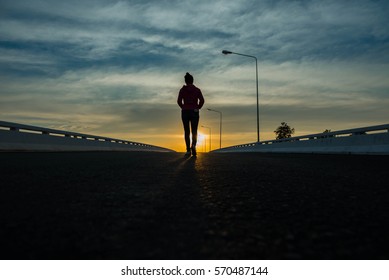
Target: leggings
x,y
192,117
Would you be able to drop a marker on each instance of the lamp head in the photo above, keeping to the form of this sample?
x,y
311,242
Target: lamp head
x,y
226,52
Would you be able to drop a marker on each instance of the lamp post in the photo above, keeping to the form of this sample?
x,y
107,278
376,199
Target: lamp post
x,y
210,136
256,72
220,124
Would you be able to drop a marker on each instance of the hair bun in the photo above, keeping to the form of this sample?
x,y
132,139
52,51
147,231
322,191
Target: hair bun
x,y
188,78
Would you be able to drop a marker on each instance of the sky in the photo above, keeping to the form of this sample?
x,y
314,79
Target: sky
x,y
114,68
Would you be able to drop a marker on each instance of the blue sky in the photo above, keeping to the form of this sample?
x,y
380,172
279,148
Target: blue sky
x,y
114,68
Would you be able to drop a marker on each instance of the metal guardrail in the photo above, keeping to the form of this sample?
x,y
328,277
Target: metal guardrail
x,y
16,127
339,133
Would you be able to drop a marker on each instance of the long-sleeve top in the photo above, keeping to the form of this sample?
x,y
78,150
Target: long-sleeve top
x,y
190,98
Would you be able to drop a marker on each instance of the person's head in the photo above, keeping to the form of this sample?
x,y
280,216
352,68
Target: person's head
x,y
188,79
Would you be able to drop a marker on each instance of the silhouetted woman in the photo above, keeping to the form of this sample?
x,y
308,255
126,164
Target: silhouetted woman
x,y
190,99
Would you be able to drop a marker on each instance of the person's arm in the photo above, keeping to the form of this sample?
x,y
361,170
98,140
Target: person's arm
x,y
201,99
180,99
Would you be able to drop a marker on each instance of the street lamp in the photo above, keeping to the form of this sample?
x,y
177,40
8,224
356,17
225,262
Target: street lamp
x,y
210,136
220,124
256,72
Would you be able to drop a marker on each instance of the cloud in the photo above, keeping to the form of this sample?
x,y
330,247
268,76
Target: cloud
x,y
115,67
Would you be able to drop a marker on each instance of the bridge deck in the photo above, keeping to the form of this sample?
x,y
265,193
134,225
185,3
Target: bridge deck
x,y
219,206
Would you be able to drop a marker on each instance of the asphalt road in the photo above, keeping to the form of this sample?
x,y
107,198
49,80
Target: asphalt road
x,y
217,206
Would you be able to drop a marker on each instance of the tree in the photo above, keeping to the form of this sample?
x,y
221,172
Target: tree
x,y
326,132
284,131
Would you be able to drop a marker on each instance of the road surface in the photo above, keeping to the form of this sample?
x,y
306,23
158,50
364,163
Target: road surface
x,y
133,205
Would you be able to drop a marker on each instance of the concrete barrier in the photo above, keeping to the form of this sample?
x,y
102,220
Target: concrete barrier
x,y
365,140
20,137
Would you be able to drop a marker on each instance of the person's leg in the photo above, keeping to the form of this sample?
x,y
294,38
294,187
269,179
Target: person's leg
x,y
185,121
194,125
